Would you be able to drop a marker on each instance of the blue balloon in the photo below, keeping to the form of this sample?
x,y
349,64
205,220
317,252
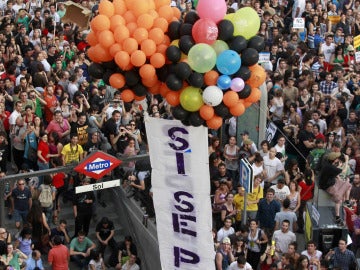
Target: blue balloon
x,y
228,62
224,82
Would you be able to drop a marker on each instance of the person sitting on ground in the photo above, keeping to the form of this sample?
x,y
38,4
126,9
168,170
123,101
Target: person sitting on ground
x,y
80,248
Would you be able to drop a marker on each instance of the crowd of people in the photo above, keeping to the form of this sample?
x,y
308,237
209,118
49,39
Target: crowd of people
x,y
53,113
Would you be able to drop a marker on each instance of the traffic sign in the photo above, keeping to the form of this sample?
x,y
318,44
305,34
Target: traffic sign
x,y
97,186
246,175
97,164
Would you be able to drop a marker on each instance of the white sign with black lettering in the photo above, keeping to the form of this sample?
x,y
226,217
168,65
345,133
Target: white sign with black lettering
x,y
357,57
97,186
298,23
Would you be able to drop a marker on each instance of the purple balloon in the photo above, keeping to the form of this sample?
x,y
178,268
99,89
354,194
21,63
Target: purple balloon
x,y
237,84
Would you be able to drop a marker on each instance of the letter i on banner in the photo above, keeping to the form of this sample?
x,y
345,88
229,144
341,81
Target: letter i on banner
x,y
181,192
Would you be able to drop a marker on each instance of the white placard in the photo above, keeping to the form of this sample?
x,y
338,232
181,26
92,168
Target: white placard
x,y
97,186
264,57
298,23
181,193
357,57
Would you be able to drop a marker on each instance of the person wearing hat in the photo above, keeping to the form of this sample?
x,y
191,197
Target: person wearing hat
x,y
244,136
332,183
246,150
224,256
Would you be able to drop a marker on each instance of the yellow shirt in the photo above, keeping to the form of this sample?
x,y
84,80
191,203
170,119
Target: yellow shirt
x,y
72,154
239,205
257,194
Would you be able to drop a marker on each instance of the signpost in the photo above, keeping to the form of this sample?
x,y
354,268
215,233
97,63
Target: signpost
x,y
97,186
246,181
97,164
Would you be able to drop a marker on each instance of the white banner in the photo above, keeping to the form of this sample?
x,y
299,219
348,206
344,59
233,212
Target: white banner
x,y
181,188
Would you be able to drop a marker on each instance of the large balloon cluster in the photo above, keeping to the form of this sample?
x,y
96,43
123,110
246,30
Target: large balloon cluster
x,y
204,66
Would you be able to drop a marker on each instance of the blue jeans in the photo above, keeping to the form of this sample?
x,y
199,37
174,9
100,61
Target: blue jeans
x,y
20,215
42,166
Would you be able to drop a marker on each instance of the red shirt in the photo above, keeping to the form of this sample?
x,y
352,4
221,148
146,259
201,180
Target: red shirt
x,y
306,191
58,180
44,148
58,257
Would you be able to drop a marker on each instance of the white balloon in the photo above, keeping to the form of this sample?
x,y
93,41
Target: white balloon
x,y
212,95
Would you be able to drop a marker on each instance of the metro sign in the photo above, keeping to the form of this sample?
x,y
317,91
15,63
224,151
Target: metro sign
x,y
97,164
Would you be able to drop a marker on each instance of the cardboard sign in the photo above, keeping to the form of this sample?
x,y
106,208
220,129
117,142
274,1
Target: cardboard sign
x,y
76,13
299,23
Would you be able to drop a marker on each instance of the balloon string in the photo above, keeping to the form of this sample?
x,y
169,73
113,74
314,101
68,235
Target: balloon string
x,y
282,133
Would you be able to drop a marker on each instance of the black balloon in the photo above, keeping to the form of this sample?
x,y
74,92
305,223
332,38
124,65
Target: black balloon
x,y
174,30
132,78
244,73
173,53
110,65
179,112
238,44
186,29
191,17
162,73
185,43
245,92
196,79
226,30
222,110
186,122
195,119
106,76
173,82
249,57
140,90
96,70
257,43
182,70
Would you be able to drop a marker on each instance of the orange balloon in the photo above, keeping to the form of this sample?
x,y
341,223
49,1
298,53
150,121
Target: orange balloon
x,y
147,71
91,52
106,38
146,21
131,27
115,21
166,40
130,45
128,67
106,8
230,98
137,98
176,12
140,34
103,54
153,13
238,109
258,76
161,23
166,13
138,58
114,49
150,82
159,3
129,17
127,95
148,47
100,23
92,38
247,104
157,60
154,89
128,4
139,7
119,7
151,5
157,35
211,77
161,48
122,59
255,95
206,112
121,33
215,122
117,80
173,98
164,89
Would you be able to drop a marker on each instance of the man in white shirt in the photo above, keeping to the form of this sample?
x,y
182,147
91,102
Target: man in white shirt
x,y
281,190
240,264
283,238
226,230
313,255
315,119
273,167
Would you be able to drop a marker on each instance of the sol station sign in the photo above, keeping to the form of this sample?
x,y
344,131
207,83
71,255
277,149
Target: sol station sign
x,y
97,164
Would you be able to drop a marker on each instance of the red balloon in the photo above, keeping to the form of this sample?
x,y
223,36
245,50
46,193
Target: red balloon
x,y
205,31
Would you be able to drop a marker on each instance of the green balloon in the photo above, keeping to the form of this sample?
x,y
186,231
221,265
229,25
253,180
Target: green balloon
x,y
219,46
246,22
202,57
195,3
191,99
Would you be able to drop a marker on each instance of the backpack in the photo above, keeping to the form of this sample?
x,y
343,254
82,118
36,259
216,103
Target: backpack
x,y
45,196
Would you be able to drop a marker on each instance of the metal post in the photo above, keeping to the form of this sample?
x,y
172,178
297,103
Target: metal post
x,y
244,217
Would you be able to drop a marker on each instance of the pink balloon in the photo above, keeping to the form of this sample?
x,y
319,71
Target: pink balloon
x,y
212,9
205,31
237,84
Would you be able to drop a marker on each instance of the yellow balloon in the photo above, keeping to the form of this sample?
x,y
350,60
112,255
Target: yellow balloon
x,y
175,42
191,99
229,16
246,22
